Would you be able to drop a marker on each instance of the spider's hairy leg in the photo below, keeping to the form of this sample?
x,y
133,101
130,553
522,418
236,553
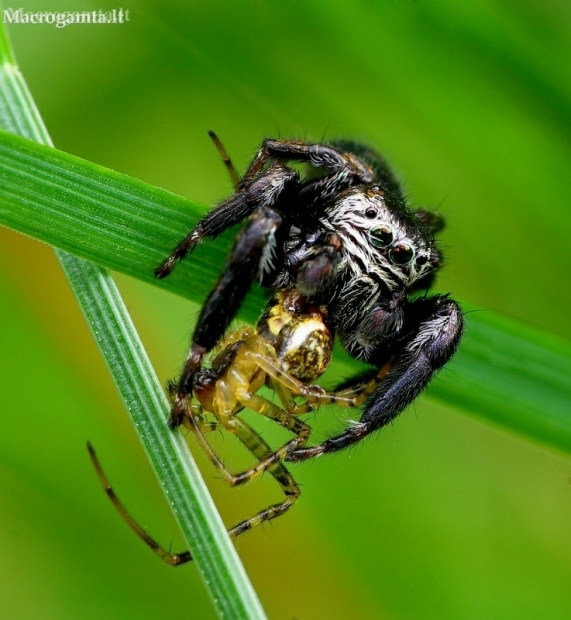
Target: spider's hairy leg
x,y
382,171
435,328
258,192
174,559
219,309
236,205
318,155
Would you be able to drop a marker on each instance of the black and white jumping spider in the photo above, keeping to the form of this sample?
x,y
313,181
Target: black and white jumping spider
x,y
344,253
345,239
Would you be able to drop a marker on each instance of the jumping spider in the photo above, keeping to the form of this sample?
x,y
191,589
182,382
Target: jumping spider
x,y
346,255
345,239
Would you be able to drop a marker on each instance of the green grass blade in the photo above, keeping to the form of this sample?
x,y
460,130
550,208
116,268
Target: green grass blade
x,y
129,365
507,373
512,375
92,212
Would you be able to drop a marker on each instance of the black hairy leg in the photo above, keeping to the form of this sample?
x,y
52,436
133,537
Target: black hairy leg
x,y
260,192
347,169
432,330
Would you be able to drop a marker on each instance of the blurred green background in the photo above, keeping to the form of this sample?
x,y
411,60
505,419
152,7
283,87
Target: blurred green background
x,y
440,516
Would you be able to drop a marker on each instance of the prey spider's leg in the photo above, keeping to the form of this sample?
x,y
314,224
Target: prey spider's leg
x,y
268,458
206,426
281,416
356,395
260,449
286,398
314,394
438,326
239,378
234,176
253,248
232,393
174,559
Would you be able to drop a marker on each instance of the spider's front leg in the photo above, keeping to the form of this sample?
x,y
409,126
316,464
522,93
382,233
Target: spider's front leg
x,y
432,330
346,168
263,190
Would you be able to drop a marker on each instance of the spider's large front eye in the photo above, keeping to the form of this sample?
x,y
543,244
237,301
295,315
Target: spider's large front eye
x,y
381,236
401,254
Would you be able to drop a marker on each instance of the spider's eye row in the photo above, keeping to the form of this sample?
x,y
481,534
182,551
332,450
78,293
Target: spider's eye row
x,y
401,254
381,236
371,213
421,260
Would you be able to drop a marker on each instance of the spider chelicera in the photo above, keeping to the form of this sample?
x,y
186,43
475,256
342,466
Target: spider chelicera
x,y
347,257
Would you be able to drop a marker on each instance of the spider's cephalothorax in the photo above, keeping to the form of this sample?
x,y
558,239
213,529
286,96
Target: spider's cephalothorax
x,y
343,238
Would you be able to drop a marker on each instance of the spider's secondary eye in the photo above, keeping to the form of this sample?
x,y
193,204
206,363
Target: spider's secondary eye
x,y
421,260
371,213
381,236
402,254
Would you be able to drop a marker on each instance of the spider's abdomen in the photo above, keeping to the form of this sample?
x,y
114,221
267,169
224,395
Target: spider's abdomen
x,y
300,334
306,349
